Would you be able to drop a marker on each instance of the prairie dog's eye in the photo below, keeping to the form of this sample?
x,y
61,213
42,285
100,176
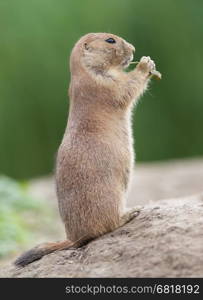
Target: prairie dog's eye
x,y
110,40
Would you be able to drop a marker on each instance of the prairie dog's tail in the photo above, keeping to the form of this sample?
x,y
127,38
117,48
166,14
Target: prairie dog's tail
x,y
41,250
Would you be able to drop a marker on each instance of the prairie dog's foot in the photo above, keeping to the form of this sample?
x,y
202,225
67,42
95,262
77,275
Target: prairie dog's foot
x,y
146,66
130,214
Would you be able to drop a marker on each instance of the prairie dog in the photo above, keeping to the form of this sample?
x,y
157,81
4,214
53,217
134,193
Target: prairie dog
x,y
95,159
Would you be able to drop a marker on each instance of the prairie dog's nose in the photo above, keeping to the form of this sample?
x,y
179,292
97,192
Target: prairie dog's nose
x,y
128,46
131,47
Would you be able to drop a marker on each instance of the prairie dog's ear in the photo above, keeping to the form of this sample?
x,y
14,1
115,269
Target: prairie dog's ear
x,y
86,47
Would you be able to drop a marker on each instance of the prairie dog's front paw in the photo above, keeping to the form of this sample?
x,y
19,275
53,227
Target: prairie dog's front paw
x,y
146,65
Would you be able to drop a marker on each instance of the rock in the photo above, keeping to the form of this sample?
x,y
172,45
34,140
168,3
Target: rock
x,y
164,240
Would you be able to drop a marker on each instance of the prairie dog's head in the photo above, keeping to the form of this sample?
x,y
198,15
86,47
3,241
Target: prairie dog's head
x,y
101,52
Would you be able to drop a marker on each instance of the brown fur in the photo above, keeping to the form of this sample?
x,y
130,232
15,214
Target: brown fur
x,y
95,158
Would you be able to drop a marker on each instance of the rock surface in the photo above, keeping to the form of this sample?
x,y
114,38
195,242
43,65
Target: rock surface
x,y
164,240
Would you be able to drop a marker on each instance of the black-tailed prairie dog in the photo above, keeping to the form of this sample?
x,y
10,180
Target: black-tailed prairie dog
x,y
96,156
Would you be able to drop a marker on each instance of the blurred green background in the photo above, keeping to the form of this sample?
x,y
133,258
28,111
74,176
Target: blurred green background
x,y
36,40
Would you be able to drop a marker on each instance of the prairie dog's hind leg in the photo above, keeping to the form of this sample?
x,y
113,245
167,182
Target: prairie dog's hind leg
x,y
130,214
